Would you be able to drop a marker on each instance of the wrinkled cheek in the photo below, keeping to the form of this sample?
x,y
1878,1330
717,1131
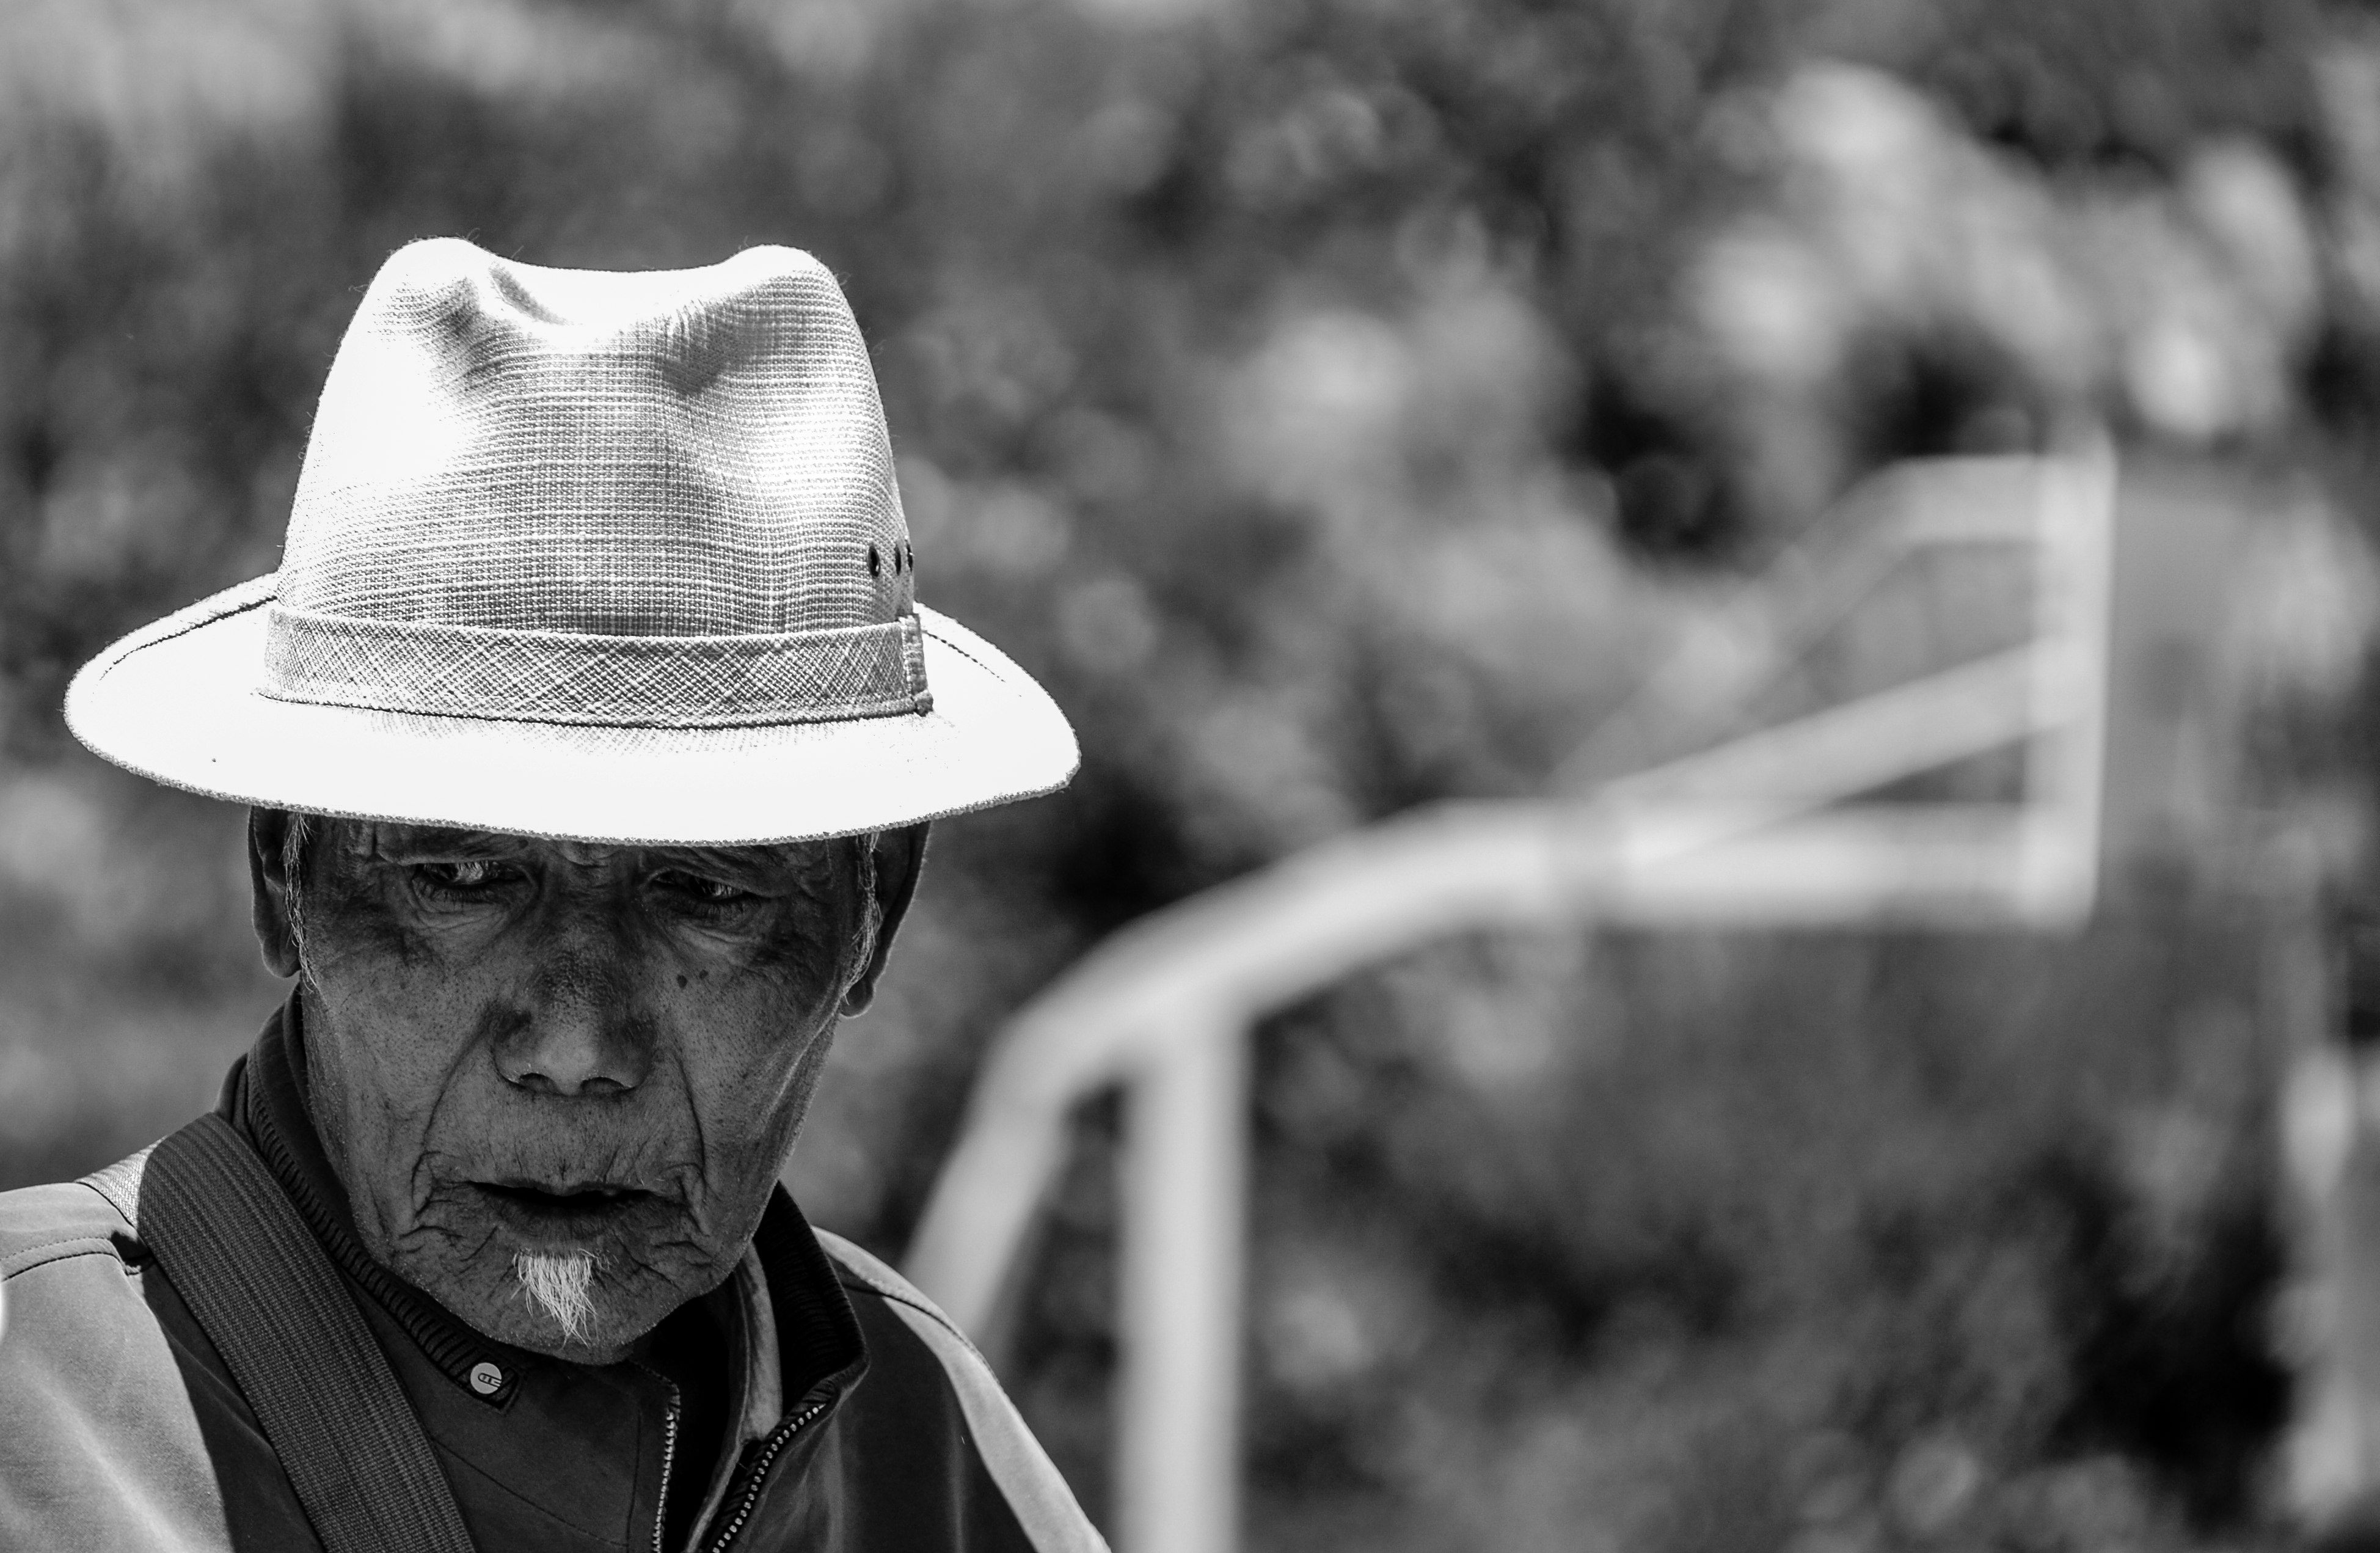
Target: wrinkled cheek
x,y
373,1115
739,1056
750,1136
385,1182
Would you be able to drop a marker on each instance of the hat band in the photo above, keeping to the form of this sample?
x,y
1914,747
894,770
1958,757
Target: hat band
x,y
562,676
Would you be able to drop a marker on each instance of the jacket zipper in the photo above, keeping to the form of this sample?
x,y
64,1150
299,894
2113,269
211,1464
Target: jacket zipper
x,y
669,1456
777,1441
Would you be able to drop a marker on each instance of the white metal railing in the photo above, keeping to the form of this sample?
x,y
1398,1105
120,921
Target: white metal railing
x,y
1754,832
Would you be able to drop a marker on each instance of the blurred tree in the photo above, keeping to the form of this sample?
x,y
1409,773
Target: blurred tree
x,y
1341,403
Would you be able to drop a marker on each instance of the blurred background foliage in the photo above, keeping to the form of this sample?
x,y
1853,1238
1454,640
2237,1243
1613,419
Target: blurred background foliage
x,y
1345,405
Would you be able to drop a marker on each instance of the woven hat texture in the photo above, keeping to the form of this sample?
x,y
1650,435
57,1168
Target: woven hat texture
x,y
691,466
613,502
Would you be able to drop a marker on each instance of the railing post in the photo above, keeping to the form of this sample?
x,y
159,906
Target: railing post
x,y
2066,773
1184,1235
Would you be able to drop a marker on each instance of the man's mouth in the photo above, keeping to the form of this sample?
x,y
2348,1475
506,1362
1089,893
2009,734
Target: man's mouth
x,y
575,1212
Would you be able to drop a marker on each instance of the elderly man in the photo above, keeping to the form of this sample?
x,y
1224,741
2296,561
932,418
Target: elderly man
x,y
589,729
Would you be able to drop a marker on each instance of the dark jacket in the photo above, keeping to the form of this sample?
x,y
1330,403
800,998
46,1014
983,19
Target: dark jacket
x,y
852,1416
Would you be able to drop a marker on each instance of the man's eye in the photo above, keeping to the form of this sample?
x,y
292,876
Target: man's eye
x,y
698,888
467,877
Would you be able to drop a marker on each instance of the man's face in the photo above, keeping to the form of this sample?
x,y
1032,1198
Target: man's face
x,y
524,1053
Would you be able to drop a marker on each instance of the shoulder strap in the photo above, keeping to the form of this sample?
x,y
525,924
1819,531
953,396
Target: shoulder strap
x,y
276,1309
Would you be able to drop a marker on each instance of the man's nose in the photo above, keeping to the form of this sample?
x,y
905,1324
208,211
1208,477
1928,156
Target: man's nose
x,y
582,1035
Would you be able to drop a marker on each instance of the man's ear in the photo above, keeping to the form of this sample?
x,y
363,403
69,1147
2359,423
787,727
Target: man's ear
x,y
268,831
900,859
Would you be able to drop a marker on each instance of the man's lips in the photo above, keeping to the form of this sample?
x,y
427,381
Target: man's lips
x,y
575,1211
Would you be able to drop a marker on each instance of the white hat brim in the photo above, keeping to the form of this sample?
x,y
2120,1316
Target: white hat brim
x,y
177,702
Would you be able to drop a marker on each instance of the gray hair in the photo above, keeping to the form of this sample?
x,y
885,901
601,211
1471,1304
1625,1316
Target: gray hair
x,y
864,931
294,842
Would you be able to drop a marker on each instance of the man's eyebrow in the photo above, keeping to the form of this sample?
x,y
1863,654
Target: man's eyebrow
x,y
387,839
742,860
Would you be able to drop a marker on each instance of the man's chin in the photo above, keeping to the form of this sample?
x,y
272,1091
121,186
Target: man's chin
x,y
489,1292
500,1307
478,1254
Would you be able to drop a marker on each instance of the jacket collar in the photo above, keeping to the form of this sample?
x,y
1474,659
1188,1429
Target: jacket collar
x,y
786,1277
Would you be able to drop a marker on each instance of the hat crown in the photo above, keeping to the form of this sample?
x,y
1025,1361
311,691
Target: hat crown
x,y
670,453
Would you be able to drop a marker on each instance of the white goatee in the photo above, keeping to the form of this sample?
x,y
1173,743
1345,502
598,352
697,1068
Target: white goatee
x,y
557,1286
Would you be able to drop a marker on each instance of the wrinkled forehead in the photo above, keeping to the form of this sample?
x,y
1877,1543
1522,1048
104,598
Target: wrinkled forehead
x,y
393,841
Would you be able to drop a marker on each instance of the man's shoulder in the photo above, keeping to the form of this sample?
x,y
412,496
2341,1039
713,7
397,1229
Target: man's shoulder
x,y
1044,1506
106,1382
66,1219
864,1274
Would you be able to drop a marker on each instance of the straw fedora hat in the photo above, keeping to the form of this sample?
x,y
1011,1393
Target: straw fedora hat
x,y
615,557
